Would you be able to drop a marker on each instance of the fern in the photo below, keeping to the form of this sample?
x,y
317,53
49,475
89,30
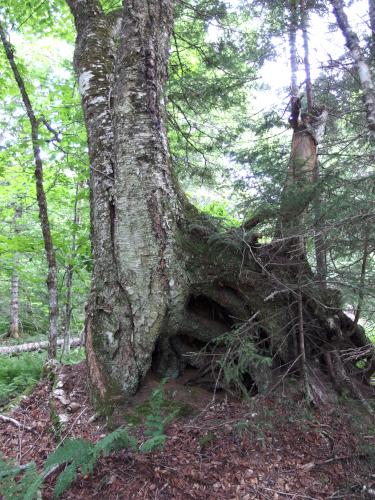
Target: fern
x,y
155,422
73,450
65,479
242,354
79,454
25,488
157,441
117,440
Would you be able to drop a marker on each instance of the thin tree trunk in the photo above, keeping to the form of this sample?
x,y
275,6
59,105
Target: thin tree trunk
x,y
41,198
69,276
362,278
293,27
14,302
319,240
371,10
302,349
298,190
306,59
364,73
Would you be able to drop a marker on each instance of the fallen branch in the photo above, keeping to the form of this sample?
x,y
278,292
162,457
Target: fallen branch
x,y
15,422
36,346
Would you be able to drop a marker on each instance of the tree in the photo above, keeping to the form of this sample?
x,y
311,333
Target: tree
x,y
41,197
362,67
167,279
14,304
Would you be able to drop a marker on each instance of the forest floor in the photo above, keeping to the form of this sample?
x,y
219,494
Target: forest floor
x,y
270,448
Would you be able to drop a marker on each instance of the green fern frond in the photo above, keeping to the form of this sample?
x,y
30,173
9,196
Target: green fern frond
x,y
83,455
12,487
117,440
153,443
73,450
65,479
227,240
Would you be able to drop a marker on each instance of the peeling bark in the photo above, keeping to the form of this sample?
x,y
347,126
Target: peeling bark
x,y
308,130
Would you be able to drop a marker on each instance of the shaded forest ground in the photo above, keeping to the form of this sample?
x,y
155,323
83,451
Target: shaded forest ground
x,y
270,448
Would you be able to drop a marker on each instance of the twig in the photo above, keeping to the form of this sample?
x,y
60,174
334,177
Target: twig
x,y
16,423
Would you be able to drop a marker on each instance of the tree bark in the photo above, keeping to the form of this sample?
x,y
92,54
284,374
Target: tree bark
x,y
308,129
36,346
371,10
319,240
363,70
14,302
41,198
167,280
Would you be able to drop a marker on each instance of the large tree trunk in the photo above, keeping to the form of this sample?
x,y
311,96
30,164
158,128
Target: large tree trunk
x,y
167,280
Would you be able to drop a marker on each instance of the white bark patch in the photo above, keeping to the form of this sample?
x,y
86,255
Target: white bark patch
x,y
110,338
331,323
84,82
98,100
364,73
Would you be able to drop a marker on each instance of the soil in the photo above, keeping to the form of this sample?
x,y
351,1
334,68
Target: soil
x,y
217,448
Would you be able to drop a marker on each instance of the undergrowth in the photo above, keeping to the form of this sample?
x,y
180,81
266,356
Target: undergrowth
x,y
80,455
242,355
19,374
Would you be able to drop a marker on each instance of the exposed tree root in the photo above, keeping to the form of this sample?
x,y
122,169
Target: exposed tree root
x,y
291,318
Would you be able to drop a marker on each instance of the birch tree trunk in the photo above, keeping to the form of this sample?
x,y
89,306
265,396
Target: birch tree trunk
x,y
363,70
121,68
14,301
164,282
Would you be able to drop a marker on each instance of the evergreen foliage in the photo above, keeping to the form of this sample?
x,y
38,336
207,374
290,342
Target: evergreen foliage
x,y
245,354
